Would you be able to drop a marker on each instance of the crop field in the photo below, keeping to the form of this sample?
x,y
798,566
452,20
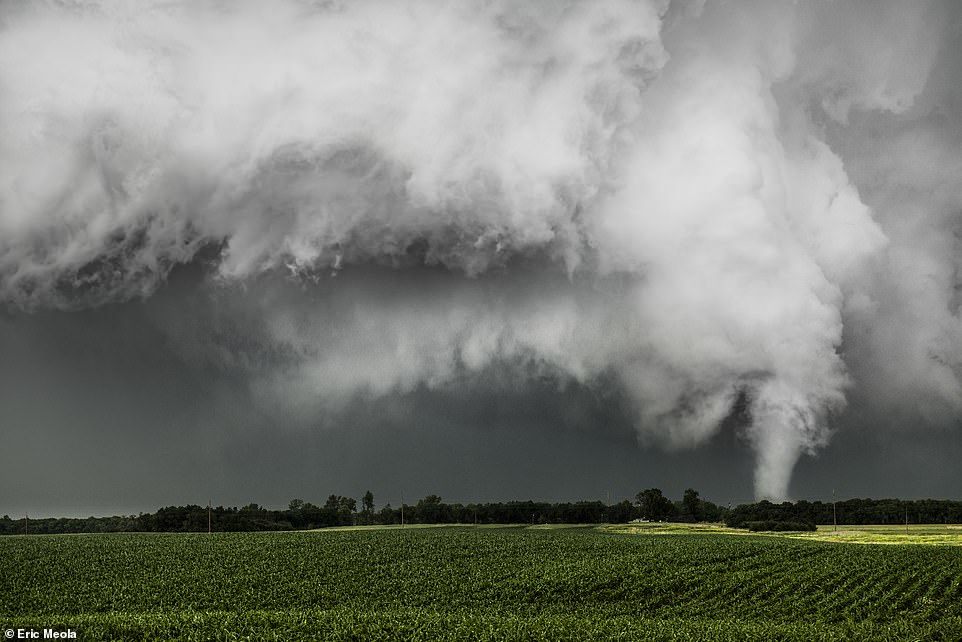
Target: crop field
x,y
479,583
948,535
929,534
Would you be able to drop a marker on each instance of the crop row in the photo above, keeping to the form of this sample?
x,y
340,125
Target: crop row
x,y
501,574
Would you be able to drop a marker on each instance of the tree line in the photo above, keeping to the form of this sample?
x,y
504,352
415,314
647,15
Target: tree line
x,y
339,510
849,511
650,505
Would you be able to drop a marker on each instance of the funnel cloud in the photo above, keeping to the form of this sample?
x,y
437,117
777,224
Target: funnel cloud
x,y
699,216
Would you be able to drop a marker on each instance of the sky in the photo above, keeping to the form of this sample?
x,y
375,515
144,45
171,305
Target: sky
x,y
486,250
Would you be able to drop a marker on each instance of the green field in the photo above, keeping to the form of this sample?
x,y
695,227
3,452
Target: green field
x,y
479,583
930,534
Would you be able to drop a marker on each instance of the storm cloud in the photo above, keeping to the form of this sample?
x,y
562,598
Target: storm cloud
x,y
710,214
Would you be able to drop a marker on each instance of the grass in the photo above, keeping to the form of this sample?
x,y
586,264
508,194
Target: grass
x,y
480,583
672,528
947,535
930,534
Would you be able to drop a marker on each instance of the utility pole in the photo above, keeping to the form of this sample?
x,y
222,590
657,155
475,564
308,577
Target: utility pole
x,y
834,514
906,520
208,516
26,524
402,509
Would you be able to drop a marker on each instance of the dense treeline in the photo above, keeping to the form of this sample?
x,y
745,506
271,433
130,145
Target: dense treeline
x,y
850,511
650,504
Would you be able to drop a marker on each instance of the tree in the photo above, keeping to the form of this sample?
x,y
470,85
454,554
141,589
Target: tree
x,y
295,505
428,510
621,512
341,508
387,515
653,504
692,504
367,508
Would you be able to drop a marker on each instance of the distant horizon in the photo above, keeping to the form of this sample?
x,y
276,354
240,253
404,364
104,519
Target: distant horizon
x,y
80,514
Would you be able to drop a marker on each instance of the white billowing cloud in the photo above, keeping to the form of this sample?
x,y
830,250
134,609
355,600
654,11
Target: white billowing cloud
x,y
639,189
748,233
901,140
864,55
909,338
289,129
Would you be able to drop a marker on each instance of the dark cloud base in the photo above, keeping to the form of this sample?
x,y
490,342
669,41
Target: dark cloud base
x,y
102,414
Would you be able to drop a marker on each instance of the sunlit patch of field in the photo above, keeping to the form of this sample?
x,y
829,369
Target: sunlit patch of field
x,y
388,527
933,534
671,528
930,534
373,527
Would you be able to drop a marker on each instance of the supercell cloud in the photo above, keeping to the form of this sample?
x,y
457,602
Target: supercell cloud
x,y
715,207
